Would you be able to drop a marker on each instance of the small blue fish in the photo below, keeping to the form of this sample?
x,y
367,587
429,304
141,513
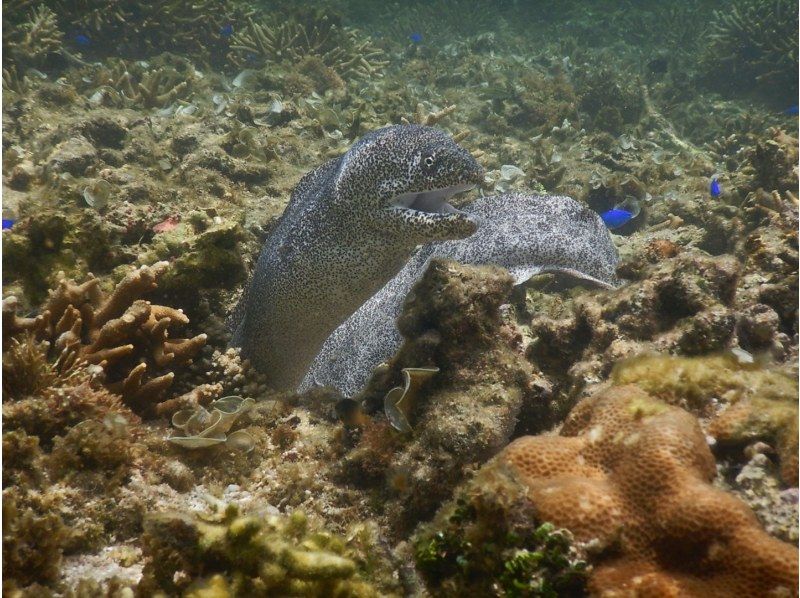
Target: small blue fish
x,y
715,189
82,40
226,30
8,223
791,111
415,37
615,218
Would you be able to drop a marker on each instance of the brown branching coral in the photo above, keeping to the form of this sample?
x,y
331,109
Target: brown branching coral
x,y
36,39
118,82
632,475
44,398
127,337
342,49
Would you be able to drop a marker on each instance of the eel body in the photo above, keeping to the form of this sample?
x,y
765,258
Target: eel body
x,y
350,225
525,234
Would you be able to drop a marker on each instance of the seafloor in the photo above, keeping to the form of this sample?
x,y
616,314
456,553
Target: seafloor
x,y
149,148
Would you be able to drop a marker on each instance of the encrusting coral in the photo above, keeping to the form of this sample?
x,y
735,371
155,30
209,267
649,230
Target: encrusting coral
x,y
760,401
127,337
632,476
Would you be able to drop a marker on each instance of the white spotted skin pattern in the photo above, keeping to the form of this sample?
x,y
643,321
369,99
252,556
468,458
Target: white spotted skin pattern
x,y
339,241
526,234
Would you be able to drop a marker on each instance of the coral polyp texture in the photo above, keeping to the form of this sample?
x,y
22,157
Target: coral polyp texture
x,y
127,337
745,402
632,476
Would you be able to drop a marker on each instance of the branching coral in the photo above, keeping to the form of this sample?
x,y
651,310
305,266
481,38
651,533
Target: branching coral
x,y
118,82
137,28
129,338
37,39
340,48
632,475
755,41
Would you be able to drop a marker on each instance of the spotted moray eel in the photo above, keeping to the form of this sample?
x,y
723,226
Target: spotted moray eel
x,y
350,226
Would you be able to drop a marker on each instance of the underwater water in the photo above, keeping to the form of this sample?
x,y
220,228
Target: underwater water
x,y
444,298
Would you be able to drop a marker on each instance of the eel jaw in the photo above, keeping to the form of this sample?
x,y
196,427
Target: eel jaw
x,y
433,202
422,217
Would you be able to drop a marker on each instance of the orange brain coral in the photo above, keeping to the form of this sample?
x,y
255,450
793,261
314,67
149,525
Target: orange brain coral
x,y
634,474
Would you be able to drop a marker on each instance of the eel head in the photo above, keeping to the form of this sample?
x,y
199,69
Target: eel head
x,y
401,177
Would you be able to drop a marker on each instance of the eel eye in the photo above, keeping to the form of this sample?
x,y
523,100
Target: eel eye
x,y
429,161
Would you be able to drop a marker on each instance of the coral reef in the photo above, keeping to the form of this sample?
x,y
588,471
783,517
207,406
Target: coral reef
x,y
320,44
631,474
253,555
147,130
127,337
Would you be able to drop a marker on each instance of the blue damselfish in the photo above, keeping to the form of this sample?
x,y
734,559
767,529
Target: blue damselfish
x,y
616,218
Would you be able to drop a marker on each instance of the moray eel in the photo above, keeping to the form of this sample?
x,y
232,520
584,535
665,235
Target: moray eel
x,y
350,225
525,234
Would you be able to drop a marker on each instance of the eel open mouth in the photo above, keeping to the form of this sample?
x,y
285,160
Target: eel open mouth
x,y
430,202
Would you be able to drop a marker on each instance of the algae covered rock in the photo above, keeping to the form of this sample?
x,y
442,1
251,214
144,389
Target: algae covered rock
x,y
683,304
248,555
73,156
209,259
467,411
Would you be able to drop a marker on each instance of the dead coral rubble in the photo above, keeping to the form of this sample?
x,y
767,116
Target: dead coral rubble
x,y
632,475
129,338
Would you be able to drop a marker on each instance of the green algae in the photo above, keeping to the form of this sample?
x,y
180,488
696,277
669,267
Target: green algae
x,y
488,540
